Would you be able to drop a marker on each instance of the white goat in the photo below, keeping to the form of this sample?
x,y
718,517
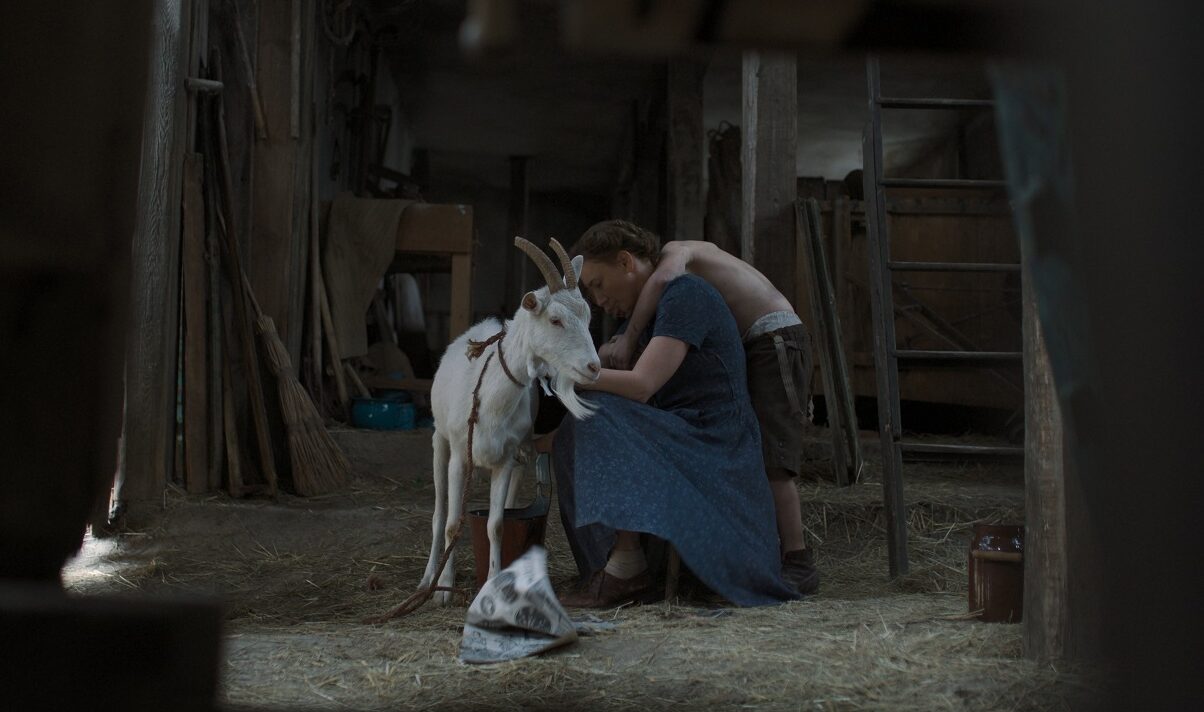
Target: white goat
x,y
549,334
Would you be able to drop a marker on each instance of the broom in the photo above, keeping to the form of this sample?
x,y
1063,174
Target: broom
x,y
318,463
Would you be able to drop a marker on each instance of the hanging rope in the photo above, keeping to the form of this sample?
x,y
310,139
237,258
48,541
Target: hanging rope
x,y
475,348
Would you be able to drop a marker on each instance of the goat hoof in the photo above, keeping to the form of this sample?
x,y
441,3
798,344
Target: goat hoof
x,y
443,598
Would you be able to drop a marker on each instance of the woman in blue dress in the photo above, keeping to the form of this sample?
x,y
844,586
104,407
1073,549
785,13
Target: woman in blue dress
x,y
673,449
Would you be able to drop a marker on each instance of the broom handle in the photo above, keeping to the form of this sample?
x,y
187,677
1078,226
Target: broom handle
x,y
359,382
336,362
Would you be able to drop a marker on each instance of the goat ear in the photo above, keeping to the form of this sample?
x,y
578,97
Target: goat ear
x,y
532,303
578,261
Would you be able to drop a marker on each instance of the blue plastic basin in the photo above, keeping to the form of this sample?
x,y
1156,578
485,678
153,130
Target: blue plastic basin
x,y
382,414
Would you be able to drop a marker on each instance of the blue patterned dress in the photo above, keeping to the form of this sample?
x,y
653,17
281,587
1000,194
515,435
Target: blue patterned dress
x,y
685,467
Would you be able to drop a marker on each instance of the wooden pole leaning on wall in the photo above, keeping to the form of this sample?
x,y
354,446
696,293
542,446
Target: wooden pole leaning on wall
x,y
213,301
332,344
194,277
315,273
241,315
235,19
838,390
819,336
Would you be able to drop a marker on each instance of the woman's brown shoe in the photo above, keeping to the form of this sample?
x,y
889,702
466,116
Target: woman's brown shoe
x,y
604,591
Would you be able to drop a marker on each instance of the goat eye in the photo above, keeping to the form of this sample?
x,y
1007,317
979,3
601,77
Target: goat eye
x,y
556,322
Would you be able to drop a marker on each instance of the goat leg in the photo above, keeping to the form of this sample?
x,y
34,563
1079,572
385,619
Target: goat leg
x,y
442,477
455,497
499,486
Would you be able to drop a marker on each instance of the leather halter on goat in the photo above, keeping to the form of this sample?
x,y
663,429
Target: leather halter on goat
x,y
476,347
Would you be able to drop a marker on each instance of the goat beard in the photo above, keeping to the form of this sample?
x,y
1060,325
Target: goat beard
x,y
564,388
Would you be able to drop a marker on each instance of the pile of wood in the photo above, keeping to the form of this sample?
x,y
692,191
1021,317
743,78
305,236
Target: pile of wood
x,y
228,334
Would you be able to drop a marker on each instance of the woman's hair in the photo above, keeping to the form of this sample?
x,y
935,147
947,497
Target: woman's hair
x,y
604,240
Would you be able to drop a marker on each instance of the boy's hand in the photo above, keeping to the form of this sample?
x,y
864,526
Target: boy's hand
x,y
621,349
605,351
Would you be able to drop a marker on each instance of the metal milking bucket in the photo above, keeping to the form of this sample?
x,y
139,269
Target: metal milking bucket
x,y
521,528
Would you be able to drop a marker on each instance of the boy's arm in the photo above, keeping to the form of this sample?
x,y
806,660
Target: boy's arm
x,y
672,265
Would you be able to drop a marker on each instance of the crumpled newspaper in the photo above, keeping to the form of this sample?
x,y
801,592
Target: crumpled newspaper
x,y
516,614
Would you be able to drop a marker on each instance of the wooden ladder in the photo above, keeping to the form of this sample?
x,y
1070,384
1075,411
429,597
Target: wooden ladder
x,y
887,355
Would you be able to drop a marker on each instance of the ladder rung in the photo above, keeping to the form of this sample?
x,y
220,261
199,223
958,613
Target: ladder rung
x,y
910,103
918,355
945,183
954,449
953,267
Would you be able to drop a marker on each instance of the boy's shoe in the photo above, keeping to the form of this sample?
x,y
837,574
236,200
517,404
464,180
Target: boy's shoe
x,y
798,568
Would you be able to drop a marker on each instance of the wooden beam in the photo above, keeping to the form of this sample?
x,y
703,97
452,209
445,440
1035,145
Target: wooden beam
x,y
768,160
1045,619
150,377
685,150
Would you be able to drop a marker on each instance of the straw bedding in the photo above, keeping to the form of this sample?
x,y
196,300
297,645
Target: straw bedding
x,y
298,577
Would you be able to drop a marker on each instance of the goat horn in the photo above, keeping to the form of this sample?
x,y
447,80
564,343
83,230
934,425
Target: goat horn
x,y
543,262
566,265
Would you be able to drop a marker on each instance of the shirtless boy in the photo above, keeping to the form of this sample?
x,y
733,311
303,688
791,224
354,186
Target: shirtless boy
x,y
778,351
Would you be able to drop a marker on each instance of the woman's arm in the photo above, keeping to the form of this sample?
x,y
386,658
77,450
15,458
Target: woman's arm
x,y
657,364
674,263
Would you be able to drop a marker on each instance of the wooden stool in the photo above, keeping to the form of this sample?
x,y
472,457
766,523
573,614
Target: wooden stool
x,y
672,572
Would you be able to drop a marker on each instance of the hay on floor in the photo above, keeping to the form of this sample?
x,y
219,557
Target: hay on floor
x,y
298,578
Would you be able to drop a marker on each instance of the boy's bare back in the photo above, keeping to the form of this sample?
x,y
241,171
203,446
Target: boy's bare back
x,y
748,293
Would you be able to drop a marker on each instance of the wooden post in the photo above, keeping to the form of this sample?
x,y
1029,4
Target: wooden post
x,y
150,372
768,183
1045,619
685,154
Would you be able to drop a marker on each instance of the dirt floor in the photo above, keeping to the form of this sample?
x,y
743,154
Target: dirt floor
x,y
294,578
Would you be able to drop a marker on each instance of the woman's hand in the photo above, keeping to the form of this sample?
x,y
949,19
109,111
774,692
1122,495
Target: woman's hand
x,y
655,366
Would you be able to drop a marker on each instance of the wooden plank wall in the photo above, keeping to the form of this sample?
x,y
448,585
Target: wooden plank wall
x,y
936,227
